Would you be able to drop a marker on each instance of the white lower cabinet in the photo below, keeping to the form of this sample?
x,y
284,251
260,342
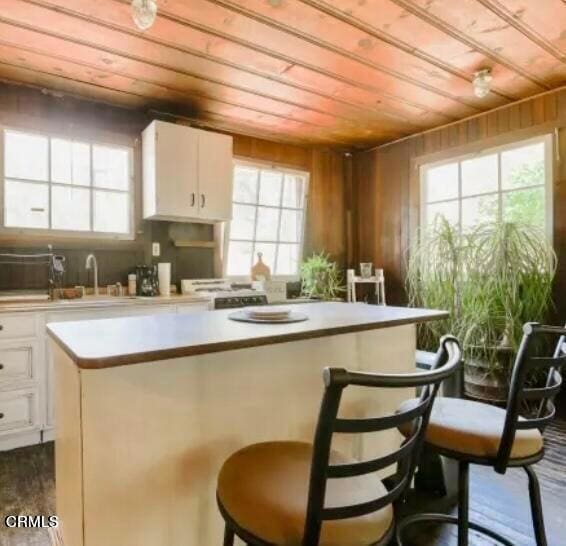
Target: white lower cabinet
x,y
22,379
26,367
18,362
19,411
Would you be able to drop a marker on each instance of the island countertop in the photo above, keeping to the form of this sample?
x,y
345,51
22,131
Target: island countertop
x,y
116,342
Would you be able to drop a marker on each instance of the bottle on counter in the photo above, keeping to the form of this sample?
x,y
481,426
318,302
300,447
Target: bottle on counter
x,y
132,284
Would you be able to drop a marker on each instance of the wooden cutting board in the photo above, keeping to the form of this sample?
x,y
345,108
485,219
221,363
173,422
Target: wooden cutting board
x,y
260,271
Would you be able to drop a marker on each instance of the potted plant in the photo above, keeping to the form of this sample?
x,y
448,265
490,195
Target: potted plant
x,y
321,278
433,275
507,281
492,280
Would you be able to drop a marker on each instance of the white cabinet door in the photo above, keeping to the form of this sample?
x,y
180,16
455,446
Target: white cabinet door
x,y
170,155
215,174
19,411
18,325
18,362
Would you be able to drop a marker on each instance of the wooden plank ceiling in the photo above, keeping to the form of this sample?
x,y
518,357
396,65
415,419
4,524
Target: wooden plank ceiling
x,y
344,73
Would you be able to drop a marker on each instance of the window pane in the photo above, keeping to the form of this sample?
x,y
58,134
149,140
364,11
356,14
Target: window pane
x,y
243,220
111,167
268,251
70,162
26,204
441,182
25,156
70,208
270,188
245,184
525,206
287,260
477,210
479,175
523,166
239,258
293,191
111,212
267,224
448,210
291,223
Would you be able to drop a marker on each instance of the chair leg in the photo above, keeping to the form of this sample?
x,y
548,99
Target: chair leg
x,y
228,536
463,502
536,507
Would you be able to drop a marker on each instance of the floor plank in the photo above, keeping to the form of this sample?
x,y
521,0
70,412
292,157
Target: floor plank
x,y
27,487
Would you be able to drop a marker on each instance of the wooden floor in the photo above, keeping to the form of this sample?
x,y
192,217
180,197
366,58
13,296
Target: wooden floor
x,y
27,482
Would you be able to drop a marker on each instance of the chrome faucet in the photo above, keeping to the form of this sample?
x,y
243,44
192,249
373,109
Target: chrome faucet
x,y
90,262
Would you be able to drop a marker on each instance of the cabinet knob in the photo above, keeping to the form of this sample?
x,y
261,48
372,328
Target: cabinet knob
x,y
1,366
202,200
1,416
1,327
193,198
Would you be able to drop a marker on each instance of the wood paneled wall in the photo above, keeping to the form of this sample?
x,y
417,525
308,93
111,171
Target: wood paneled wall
x,y
386,182
326,226
28,108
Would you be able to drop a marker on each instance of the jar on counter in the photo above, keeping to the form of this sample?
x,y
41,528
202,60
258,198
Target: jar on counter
x,y
132,284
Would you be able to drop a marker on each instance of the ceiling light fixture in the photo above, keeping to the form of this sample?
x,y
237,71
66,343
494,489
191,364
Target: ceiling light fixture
x,y
482,82
144,13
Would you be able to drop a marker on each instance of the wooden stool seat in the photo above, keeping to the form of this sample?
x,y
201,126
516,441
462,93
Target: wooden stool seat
x,y
263,489
301,494
473,429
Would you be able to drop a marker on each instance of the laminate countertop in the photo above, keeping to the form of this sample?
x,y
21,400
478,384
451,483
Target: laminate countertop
x,y
116,342
89,302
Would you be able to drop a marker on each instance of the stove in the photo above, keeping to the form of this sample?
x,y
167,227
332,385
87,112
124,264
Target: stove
x,y
223,293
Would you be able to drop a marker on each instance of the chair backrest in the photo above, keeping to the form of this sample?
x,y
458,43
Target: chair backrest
x,y
448,359
519,392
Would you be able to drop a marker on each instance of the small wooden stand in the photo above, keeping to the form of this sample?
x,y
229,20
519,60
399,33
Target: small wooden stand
x,y
378,280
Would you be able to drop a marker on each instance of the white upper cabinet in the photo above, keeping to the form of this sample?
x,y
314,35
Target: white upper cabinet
x,y
187,174
215,174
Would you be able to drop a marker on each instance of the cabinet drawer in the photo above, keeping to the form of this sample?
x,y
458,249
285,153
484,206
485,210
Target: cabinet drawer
x,y
18,411
16,363
17,326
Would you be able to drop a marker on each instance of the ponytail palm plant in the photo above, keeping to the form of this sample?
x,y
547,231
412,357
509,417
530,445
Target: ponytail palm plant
x,y
434,274
492,280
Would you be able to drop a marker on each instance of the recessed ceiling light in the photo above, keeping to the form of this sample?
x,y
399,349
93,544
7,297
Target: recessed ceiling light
x,y
482,82
144,13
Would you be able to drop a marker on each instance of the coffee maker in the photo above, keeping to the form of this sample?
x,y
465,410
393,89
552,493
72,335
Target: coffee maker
x,y
146,280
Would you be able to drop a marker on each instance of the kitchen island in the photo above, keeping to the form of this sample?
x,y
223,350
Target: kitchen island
x,y
148,408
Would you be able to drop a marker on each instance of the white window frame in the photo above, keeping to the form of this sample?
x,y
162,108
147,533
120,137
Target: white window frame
x,y
258,164
546,139
53,234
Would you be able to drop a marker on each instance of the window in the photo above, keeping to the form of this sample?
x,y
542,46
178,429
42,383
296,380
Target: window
x,y
57,184
509,184
268,217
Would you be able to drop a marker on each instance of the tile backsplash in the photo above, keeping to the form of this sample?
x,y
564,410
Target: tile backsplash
x,y
114,264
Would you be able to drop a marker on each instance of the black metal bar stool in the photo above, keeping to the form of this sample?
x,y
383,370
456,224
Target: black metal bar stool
x,y
297,493
475,433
